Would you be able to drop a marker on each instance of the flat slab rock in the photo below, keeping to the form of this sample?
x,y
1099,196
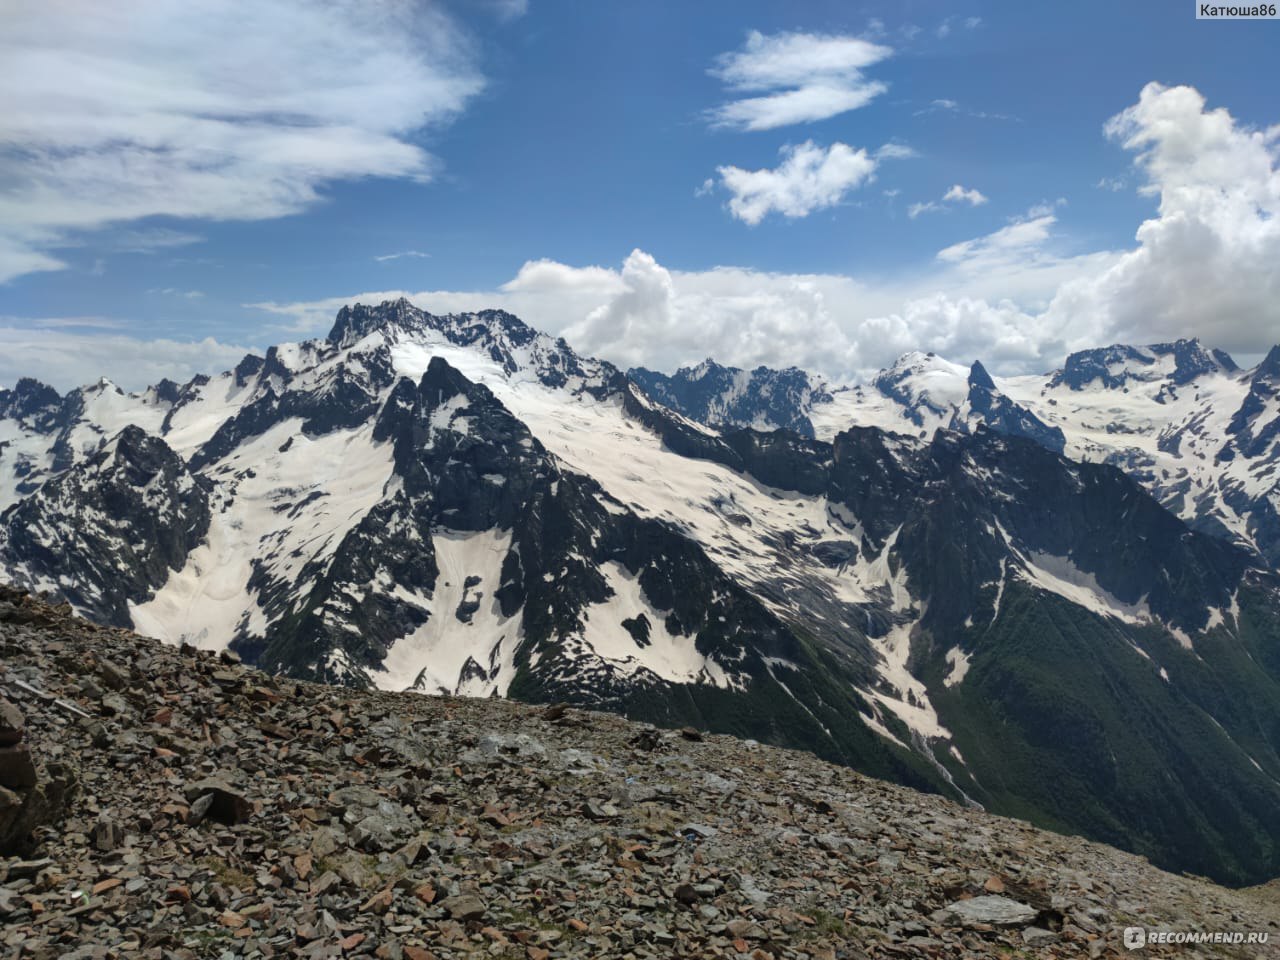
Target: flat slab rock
x,y
993,910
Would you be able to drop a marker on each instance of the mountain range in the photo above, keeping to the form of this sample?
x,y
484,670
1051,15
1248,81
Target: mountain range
x,y
1055,597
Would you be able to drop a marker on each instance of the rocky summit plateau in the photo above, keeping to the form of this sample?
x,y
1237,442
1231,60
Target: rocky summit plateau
x,y
166,802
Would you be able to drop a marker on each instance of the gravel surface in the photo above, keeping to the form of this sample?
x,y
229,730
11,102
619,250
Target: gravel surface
x,y
195,808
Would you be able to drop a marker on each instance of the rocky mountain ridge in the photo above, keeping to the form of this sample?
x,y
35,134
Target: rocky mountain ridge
x,y
1184,420
461,504
217,811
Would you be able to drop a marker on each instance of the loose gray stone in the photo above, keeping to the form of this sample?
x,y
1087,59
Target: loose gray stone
x,y
994,910
464,907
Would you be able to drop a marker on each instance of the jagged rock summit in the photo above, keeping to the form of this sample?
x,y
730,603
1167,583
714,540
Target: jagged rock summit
x,y
726,396
226,813
1115,367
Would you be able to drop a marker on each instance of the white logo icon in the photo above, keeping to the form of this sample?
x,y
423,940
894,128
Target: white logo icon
x,y
1135,938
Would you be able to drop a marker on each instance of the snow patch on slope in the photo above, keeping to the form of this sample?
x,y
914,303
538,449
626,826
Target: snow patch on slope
x,y
205,602
1061,576
290,500
911,704
442,656
23,454
959,662
672,657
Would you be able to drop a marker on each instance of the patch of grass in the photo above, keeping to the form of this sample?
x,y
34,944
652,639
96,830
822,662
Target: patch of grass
x,y
227,875
209,943
826,923
323,865
524,918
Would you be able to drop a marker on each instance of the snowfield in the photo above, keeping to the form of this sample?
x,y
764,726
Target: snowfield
x,y
286,496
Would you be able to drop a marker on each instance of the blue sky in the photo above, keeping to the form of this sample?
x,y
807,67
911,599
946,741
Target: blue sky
x,y
820,183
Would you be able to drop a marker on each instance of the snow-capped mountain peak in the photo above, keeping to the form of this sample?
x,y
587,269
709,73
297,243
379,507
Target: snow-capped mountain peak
x,y
763,398
461,504
30,402
925,385
701,370
1116,366
1201,434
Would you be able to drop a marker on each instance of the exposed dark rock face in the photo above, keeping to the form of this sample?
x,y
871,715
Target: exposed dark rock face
x,y
997,412
32,402
763,398
1113,367
112,529
346,401
32,794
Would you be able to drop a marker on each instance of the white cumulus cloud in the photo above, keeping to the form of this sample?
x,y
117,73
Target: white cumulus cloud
x,y
958,194
809,178
644,313
1206,263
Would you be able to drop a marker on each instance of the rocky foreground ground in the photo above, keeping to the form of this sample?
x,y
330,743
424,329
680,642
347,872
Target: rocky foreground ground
x,y
184,806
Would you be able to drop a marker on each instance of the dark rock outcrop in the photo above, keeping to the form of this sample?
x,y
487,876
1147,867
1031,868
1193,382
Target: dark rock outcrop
x,y
30,797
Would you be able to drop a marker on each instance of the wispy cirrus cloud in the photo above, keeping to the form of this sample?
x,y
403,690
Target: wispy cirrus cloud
x,y
413,254
947,105
219,110
152,239
1022,236
67,323
796,78
175,292
940,105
